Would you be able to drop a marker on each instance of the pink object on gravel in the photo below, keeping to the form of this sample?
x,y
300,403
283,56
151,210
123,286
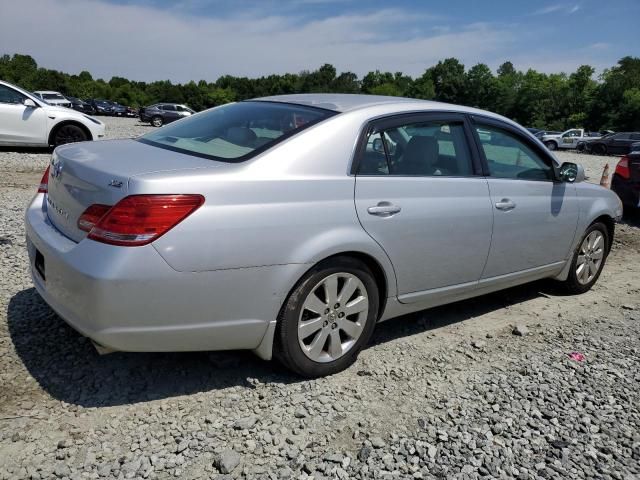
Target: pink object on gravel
x,y
577,356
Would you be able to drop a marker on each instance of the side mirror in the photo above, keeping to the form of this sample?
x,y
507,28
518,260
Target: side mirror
x,y
378,146
571,172
30,103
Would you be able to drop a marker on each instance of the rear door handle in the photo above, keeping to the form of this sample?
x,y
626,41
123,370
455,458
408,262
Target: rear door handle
x,y
505,205
384,209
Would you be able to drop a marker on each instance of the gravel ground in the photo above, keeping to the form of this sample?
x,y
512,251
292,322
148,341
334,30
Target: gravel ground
x,y
485,388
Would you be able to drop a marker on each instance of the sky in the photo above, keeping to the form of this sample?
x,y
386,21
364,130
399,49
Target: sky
x,y
183,40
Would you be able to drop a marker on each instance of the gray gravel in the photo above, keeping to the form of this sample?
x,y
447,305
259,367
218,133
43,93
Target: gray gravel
x,y
447,393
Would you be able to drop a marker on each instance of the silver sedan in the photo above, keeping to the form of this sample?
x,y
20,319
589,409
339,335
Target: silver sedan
x,y
291,225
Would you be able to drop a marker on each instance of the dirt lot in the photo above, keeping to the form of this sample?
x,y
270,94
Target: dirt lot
x,y
447,393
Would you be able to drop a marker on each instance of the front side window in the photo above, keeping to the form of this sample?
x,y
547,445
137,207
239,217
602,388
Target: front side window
x,y
236,131
432,148
510,157
9,95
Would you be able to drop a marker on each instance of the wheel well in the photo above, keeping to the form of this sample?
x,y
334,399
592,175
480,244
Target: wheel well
x,y
378,275
69,122
611,227
377,271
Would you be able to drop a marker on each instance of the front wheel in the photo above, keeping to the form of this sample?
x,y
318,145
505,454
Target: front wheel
x,y
588,259
68,134
551,145
328,318
157,121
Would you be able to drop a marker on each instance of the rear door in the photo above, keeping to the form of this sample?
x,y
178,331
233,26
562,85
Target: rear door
x,y
420,194
535,216
169,113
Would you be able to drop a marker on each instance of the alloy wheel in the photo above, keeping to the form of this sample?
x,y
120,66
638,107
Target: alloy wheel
x,y
590,257
333,317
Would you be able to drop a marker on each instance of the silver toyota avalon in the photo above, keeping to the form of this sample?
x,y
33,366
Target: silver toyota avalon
x,y
291,225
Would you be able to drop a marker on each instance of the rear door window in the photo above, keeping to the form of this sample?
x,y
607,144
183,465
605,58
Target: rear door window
x,y
431,148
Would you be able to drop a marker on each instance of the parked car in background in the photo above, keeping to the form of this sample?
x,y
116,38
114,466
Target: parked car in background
x,y
162,113
53,98
296,223
27,120
117,110
568,139
534,131
611,144
81,106
102,107
626,179
131,112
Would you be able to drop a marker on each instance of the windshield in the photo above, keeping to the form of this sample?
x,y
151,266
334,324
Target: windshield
x,y
52,96
236,131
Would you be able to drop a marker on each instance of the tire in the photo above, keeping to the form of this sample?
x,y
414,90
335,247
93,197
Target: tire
x,y
551,145
68,134
311,351
157,121
599,149
577,283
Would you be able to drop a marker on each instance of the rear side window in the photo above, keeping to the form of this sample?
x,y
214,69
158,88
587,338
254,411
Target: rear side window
x,y
425,149
236,131
510,157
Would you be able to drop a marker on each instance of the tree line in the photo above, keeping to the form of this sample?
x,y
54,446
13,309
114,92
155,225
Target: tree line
x,y
555,101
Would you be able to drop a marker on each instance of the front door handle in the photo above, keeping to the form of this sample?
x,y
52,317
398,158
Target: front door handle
x,y
505,205
384,209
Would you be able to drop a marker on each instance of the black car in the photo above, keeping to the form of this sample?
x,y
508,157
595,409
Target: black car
x,y
162,113
117,110
81,106
102,107
626,179
611,144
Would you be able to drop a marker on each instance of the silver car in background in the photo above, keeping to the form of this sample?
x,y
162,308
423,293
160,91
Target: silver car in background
x,y
291,225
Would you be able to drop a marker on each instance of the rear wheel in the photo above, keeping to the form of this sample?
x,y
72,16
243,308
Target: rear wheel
x,y
551,145
328,318
599,149
588,259
157,121
68,134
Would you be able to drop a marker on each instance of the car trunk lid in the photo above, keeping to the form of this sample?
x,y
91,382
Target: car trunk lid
x,y
90,173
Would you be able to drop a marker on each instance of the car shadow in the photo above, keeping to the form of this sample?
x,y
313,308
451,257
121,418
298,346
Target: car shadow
x,y
67,367
36,150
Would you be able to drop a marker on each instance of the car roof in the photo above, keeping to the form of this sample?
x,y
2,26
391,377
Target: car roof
x,y
47,91
341,102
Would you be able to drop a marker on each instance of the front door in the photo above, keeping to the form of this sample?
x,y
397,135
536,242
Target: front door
x,y
420,195
534,216
19,124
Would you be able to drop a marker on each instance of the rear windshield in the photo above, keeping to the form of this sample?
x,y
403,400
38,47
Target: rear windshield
x,y
52,96
236,131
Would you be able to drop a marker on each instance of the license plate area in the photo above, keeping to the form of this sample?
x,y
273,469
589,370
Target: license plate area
x,y
39,264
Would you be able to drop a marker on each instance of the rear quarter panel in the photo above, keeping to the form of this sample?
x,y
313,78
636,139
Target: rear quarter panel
x,y
294,204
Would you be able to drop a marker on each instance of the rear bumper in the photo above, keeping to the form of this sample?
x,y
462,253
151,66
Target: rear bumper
x,y
628,191
130,299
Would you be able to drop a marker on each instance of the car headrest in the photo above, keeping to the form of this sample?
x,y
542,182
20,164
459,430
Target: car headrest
x,y
420,155
241,136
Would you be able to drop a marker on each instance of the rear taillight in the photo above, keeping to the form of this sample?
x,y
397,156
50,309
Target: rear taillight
x,y
91,216
139,219
622,168
44,182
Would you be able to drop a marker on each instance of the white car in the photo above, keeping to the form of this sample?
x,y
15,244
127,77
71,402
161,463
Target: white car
x,y
53,98
26,120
